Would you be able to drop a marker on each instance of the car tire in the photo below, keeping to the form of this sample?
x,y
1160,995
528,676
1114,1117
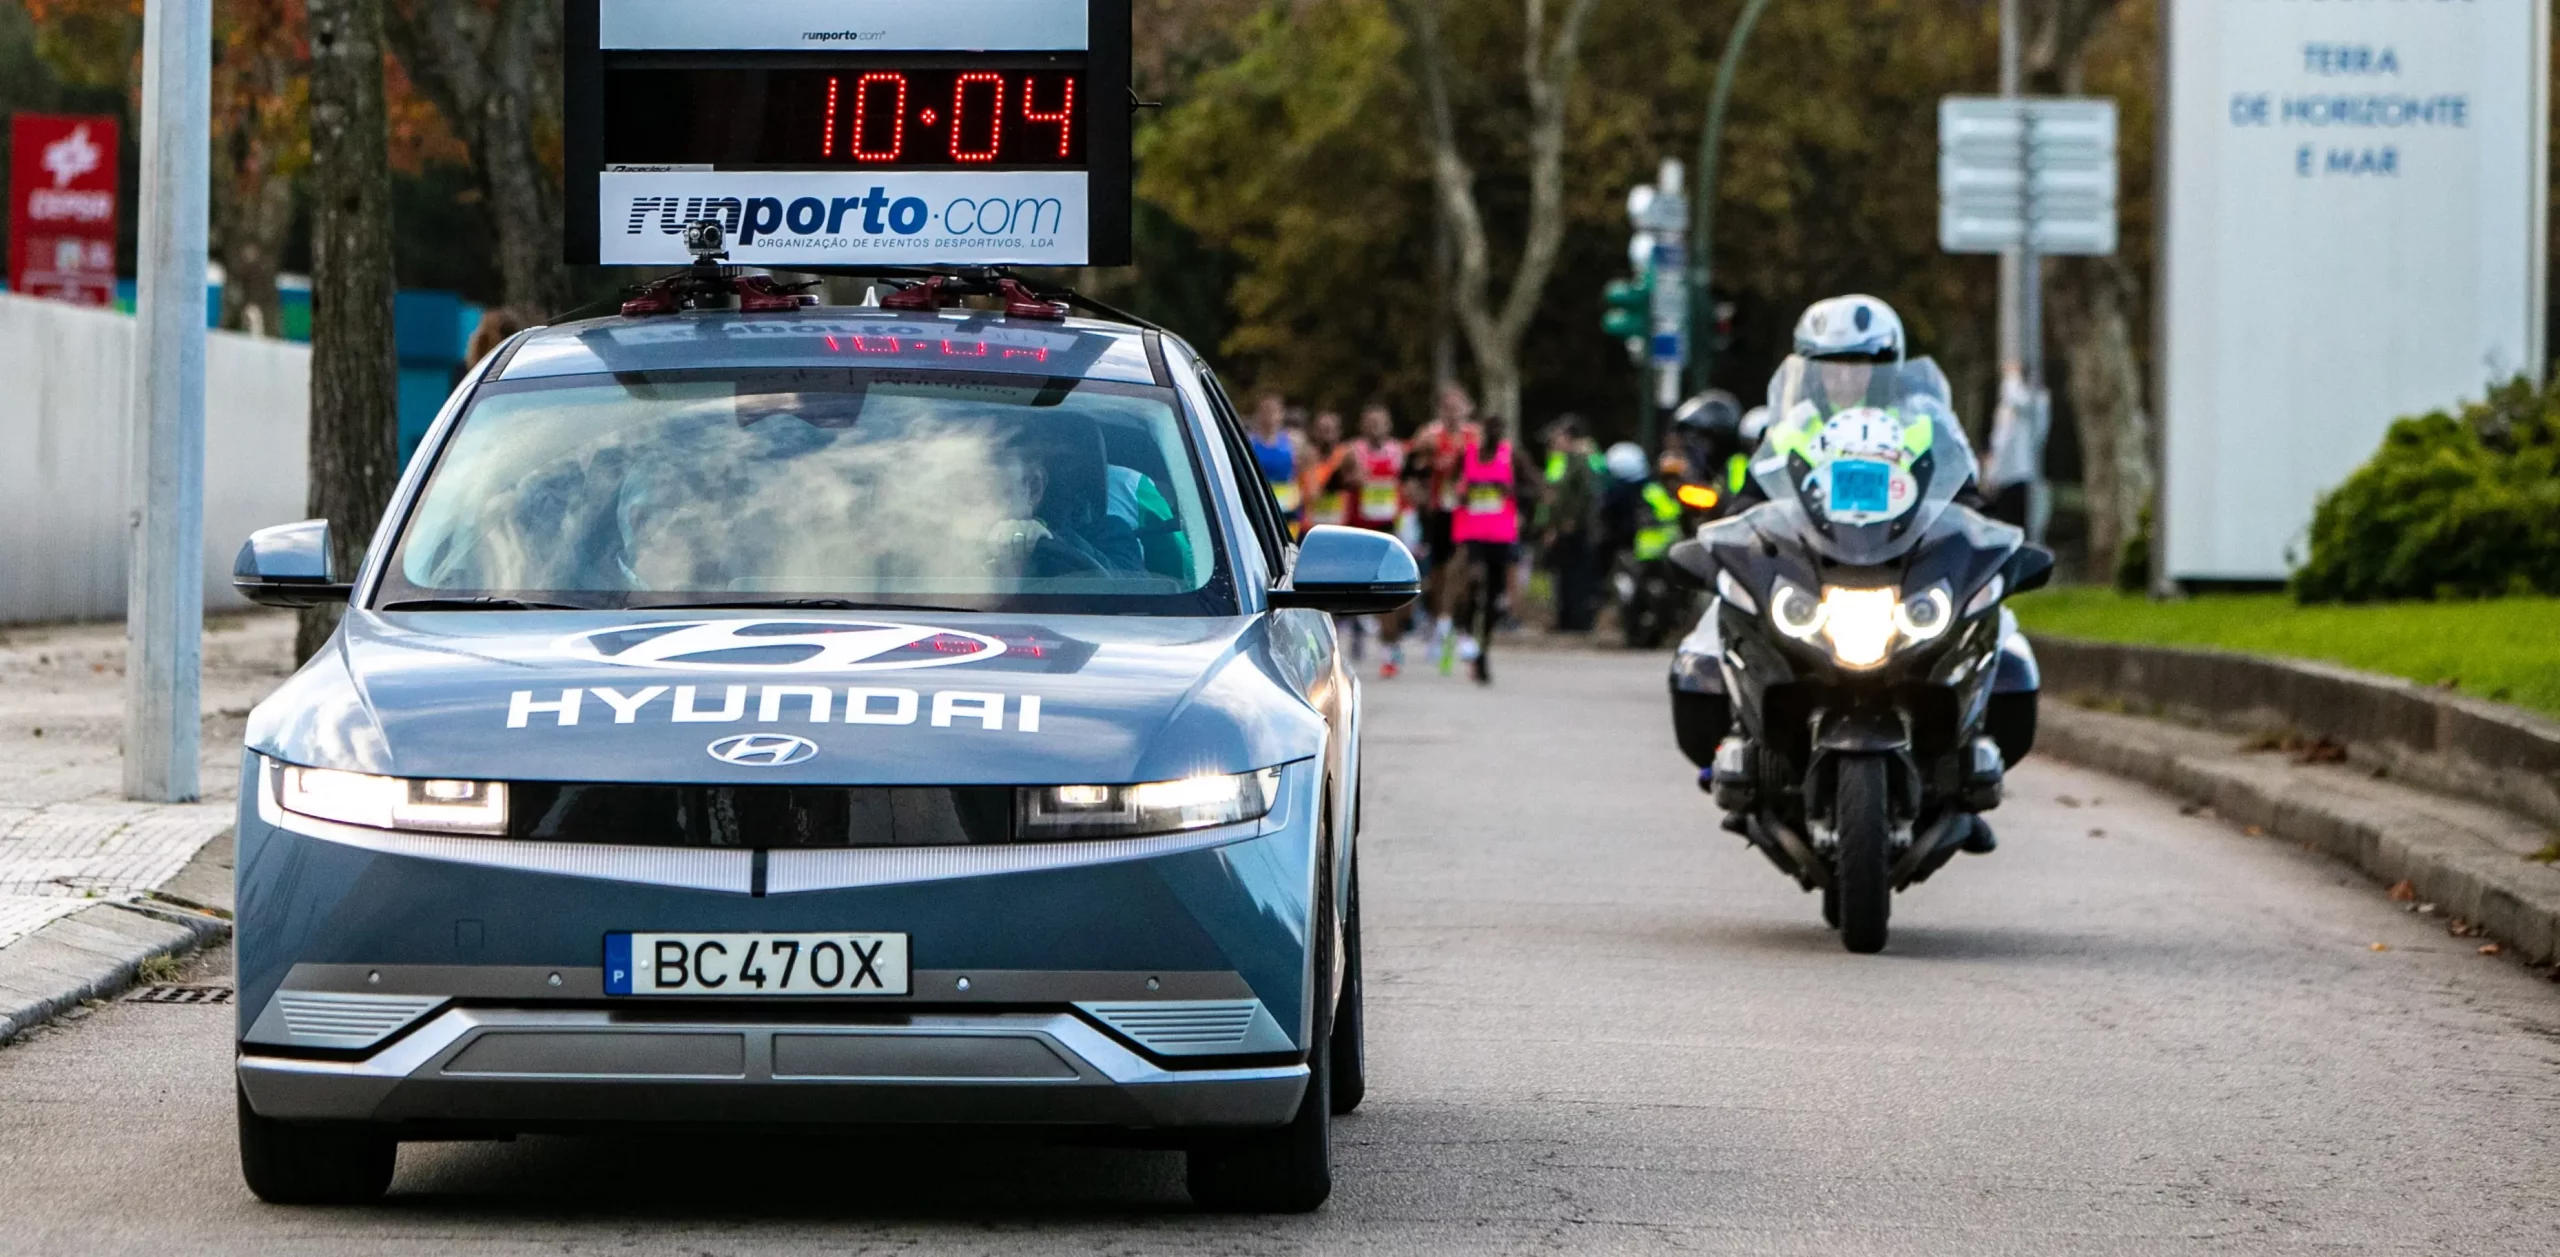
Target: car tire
x,y
1862,814
286,1164
1348,1043
1285,1170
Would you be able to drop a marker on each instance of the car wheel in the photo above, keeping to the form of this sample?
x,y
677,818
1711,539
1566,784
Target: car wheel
x,y
286,1164
1349,1043
1285,1170
1288,1169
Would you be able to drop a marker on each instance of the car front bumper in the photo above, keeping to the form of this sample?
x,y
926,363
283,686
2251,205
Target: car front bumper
x,y
522,1068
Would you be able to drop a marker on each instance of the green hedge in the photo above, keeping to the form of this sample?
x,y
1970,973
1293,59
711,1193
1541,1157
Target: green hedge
x,y
2453,506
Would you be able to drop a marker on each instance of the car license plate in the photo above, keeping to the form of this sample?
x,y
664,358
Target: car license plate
x,y
755,964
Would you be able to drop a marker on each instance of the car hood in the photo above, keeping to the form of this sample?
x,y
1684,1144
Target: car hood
x,y
873,698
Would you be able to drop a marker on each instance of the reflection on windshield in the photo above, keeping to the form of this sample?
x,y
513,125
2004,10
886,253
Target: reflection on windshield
x,y
819,484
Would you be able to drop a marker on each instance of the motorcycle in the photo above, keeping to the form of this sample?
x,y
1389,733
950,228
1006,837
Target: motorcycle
x,y
1857,691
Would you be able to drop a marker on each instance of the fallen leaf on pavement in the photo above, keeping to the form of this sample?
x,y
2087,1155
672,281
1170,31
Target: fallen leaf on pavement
x,y
2382,947
2255,831
2402,892
2489,949
2066,800
2097,833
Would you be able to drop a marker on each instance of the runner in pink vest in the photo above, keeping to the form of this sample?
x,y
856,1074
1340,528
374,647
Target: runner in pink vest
x,y
1486,528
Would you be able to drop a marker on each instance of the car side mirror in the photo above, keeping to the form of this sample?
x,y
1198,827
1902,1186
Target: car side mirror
x,y
2030,568
1690,565
1350,571
289,566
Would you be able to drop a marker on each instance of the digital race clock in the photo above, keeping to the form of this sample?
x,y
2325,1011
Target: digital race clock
x,y
850,132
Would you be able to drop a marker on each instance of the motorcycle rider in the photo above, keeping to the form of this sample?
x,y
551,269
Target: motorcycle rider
x,y
1842,341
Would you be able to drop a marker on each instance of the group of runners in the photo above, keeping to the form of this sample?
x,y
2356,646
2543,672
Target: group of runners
x,y
1454,493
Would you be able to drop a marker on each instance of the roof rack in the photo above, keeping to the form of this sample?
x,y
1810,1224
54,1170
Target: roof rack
x,y
707,285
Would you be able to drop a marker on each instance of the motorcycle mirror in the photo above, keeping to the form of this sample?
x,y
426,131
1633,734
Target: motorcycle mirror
x,y
1690,566
2030,568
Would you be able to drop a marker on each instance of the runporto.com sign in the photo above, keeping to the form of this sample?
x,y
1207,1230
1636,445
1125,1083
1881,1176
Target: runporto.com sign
x,y
850,132
2353,231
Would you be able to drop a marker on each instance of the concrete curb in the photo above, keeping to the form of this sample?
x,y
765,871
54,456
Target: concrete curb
x,y
2465,747
2471,860
92,954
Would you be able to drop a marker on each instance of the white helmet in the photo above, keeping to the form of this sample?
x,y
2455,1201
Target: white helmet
x,y
1755,421
1626,461
1854,326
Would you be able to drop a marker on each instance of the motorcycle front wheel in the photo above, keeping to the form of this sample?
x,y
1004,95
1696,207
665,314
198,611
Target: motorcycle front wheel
x,y
1863,818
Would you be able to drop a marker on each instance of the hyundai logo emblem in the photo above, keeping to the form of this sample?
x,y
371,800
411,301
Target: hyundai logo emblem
x,y
768,646
762,750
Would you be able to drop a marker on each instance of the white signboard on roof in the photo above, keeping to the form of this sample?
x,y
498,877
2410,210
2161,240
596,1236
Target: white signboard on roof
x,y
2352,231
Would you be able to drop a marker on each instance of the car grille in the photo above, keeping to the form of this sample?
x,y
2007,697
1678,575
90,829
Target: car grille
x,y
761,816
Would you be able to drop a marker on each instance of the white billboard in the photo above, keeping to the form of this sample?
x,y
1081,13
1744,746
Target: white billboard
x,y
846,218
2353,231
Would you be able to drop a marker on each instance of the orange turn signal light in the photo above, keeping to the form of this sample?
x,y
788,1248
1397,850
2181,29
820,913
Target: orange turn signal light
x,y
1697,496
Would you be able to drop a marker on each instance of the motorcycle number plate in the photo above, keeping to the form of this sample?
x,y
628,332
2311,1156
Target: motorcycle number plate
x,y
1861,486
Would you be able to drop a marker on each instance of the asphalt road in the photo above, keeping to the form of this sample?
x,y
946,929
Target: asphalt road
x,y
1597,1026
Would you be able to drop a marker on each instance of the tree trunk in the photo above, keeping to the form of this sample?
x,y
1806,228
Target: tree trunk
x,y
2105,380
1547,68
488,67
354,375
252,221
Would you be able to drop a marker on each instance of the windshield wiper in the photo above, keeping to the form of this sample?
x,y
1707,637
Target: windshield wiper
x,y
476,604
799,604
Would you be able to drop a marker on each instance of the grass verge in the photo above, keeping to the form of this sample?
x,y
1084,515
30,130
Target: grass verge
x,y
2506,649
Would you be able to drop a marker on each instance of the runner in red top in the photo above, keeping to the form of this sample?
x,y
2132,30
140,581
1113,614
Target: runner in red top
x,y
1376,471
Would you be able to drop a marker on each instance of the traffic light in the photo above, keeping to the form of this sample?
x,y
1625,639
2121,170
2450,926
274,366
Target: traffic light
x,y
1626,308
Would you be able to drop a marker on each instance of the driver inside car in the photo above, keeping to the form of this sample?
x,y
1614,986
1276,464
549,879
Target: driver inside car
x,y
1052,481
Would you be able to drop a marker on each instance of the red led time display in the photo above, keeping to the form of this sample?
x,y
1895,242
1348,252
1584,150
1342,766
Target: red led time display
x,y
894,117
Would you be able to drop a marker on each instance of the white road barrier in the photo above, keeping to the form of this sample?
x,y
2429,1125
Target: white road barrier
x,y
64,375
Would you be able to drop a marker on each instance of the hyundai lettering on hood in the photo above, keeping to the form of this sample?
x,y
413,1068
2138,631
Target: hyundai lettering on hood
x,y
849,699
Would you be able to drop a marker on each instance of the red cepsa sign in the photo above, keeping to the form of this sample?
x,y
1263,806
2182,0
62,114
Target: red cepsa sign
x,y
62,207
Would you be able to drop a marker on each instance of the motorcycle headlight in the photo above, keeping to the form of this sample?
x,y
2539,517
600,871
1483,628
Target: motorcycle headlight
x,y
1794,611
432,805
1153,807
1859,623
1923,618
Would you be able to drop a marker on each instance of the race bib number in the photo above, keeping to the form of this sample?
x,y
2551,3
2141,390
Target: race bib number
x,y
1378,501
1286,495
1330,508
1485,499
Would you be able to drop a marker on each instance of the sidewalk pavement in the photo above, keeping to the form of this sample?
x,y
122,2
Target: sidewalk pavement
x,y
2487,871
91,885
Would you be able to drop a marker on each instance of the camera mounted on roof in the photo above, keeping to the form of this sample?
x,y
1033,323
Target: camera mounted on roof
x,y
708,285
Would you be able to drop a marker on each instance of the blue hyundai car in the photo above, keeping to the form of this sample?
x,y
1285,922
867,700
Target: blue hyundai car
x,y
843,716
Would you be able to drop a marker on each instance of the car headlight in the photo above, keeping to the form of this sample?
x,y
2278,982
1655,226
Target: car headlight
x,y
432,805
1153,807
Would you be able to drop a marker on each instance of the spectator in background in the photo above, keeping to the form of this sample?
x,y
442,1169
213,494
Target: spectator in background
x,y
1567,521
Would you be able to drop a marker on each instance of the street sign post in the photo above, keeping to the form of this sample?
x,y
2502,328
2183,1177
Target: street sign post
x,y
2027,176
849,133
62,207
2031,173
164,575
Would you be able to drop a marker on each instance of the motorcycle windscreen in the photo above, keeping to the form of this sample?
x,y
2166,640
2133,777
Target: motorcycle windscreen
x,y
1865,455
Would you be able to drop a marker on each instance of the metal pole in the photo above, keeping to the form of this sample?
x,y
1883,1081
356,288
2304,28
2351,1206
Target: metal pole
x,y
1703,216
2011,37
2031,331
164,577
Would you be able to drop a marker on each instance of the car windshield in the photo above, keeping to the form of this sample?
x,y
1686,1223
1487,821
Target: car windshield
x,y
1867,454
818,486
